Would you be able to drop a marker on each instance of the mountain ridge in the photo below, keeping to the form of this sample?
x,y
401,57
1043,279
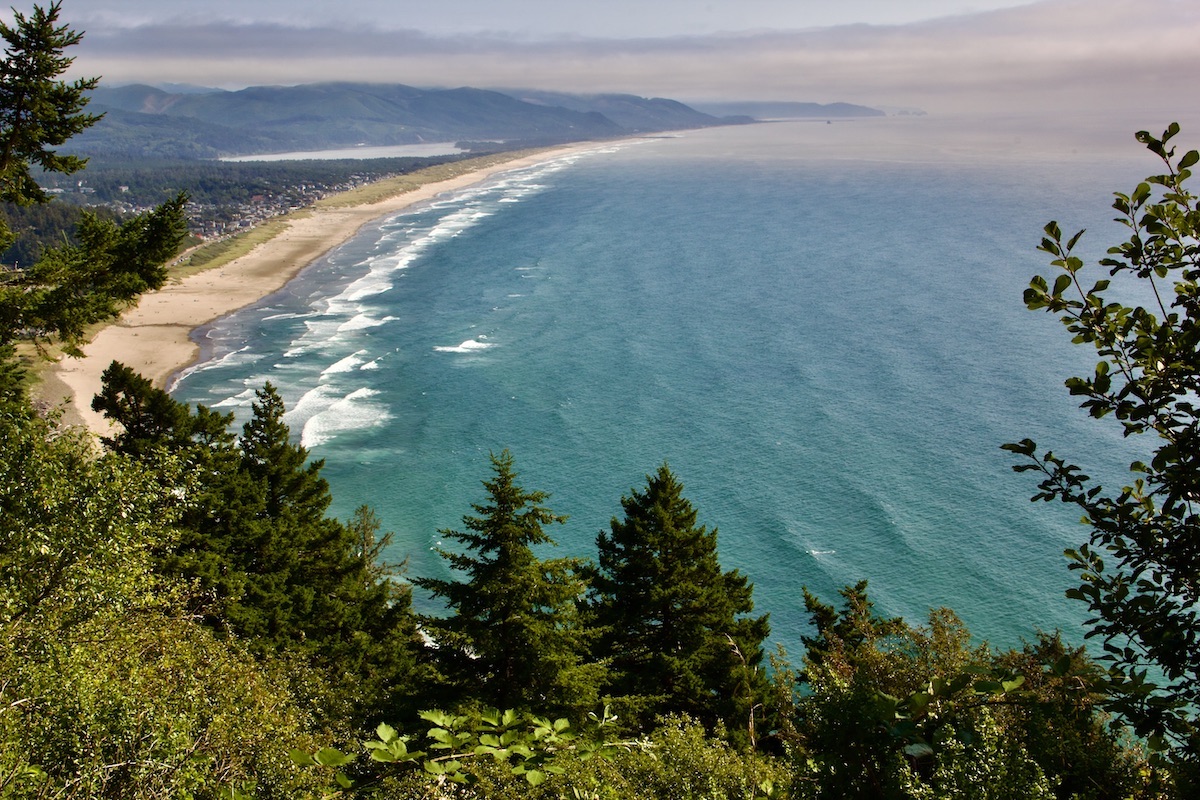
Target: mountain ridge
x,y
145,121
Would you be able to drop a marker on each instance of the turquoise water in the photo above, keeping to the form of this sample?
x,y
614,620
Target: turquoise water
x,y
820,327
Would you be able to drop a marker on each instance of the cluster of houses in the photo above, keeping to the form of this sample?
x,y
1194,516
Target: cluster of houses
x,y
213,221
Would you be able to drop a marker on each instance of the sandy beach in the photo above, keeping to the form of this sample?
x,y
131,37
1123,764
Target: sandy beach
x,y
154,337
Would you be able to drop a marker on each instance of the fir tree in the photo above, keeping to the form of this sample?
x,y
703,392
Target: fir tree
x,y
514,637
72,286
670,620
269,566
37,110
149,418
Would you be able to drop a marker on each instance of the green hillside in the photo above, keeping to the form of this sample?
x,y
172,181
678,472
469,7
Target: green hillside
x,y
142,121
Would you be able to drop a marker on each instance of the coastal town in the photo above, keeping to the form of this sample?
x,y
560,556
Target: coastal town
x,y
215,210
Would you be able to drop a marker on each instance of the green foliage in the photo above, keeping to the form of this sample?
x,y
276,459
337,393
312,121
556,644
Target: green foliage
x,y
669,618
683,761
978,763
106,692
37,227
514,637
1064,729
892,711
512,756
1140,571
145,705
76,285
268,565
37,110
854,673
150,420
73,285
74,528
527,746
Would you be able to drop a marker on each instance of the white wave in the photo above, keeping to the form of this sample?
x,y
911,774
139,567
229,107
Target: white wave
x,y
382,268
375,282
242,399
371,365
335,326
347,364
235,358
310,404
334,307
404,239
319,328
363,321
516,193
285,315
349,413
469,346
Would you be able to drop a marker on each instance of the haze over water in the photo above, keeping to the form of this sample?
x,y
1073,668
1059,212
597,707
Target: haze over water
x,y
819,326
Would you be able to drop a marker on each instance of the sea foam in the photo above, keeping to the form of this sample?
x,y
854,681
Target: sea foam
x,y
352,412
240,400
348,364
362,321
469,346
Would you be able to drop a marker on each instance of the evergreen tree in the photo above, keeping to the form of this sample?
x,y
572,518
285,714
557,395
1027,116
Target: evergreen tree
x,y
670,620
75,285
269,566
109,689
514,638
37,111
855,626
149,418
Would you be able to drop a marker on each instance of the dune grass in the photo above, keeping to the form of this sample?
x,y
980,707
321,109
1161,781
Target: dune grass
x,y
216,254
390,187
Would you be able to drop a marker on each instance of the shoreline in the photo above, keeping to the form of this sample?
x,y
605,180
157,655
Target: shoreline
x,y
154,337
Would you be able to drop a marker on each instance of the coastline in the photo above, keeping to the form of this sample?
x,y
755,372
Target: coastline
x,y
154,337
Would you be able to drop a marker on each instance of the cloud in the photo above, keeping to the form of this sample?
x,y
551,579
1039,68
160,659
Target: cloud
x,y
1065,56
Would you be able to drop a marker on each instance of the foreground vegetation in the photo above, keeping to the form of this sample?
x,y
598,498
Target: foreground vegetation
x,y
181,618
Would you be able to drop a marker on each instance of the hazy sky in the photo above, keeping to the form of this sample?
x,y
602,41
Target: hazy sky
x,y
1129,57
607,18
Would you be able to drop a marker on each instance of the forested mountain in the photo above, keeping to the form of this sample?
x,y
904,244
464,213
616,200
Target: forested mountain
x,y
634,114
144,121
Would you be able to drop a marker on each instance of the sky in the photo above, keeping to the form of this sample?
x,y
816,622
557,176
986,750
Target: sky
x,y
1135,58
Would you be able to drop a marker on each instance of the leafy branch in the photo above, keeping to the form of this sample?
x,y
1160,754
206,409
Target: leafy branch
x,y
531,746
1140,572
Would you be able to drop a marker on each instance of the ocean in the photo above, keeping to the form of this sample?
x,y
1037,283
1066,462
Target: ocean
x,y
818,326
